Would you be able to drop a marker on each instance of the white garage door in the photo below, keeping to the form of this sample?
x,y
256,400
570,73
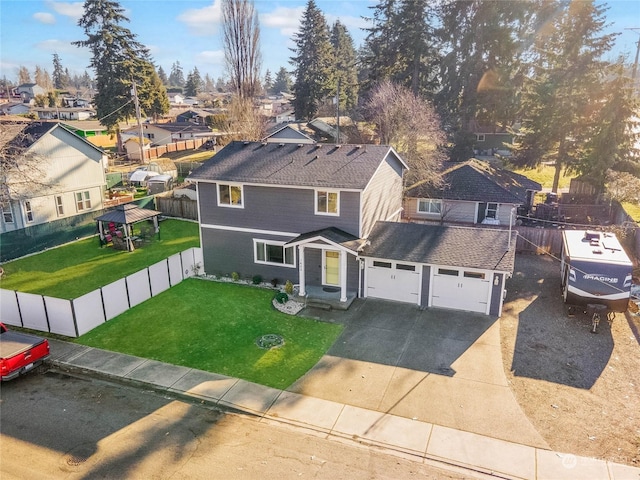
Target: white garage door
x,y
393,281
460,289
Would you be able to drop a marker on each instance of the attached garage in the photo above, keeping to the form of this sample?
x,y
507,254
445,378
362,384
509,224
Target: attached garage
x,y
461,268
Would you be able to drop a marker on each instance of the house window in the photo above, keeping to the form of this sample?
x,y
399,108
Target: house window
x,y
151,136
408,268
59,205
7,214
83,200
478,275
229,195
480,137
430,205
28,211
447,271
274,253
492,210
381,264
327,202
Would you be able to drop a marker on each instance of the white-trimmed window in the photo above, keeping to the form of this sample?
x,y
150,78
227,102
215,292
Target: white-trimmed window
x,y
273,253
430,205
480,137
28,211
59,205
492,210
230,195
7,214
327,202
83,200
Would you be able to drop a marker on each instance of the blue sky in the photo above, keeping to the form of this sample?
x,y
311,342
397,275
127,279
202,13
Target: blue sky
x,y
188,31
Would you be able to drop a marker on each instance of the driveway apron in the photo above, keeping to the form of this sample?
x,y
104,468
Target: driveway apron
x,y
438,366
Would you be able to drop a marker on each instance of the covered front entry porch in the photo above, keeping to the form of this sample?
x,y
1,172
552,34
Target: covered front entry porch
x,y
328,270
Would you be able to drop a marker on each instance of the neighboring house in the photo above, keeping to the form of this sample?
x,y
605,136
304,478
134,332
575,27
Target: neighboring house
x,y
288,134
164,133
63,113
28,91
14,108
327,218
176,98
196,116
93,131
287,116
76,102
472,192
491,139
68,176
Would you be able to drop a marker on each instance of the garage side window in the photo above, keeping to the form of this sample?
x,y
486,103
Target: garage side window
x,y
447,271
230,195
273,253
478,275
382,264
430,206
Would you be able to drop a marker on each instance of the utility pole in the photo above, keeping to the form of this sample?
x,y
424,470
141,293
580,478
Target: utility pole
x,y
635,63
134,92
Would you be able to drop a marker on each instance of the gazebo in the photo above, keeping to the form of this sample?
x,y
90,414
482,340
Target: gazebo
x,y
117,225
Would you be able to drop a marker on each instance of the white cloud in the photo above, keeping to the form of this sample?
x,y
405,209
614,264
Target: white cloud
x,y
43,17
210,57
202,21
287,20
73,10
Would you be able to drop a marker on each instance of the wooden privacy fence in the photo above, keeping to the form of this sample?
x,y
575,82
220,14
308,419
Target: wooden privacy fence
x,y
177,207
76,317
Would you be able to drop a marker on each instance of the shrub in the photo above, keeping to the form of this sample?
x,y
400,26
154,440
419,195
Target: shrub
x,y
282,297
288,287
235,276
257,279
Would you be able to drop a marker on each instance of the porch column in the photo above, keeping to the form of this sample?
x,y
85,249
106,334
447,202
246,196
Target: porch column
x,y
302,291
343,276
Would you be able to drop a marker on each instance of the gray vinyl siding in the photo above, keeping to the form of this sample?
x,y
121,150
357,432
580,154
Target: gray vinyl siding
x,y
225,252
278,209
496,294
383,195
426,279
452,211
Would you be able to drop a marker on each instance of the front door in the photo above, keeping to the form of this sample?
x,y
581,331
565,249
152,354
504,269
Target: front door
x,y
331,267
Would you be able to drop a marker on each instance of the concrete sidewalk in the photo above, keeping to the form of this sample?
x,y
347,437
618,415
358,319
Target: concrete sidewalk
x,y
414,439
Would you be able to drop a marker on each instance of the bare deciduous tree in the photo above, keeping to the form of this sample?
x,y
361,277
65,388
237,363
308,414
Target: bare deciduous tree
x,y
411,126
241,39
244,121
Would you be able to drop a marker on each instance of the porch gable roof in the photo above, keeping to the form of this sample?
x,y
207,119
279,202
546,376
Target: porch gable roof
x,y
332,235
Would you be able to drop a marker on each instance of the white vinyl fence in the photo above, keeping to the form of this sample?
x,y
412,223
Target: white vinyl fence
x,y
76,317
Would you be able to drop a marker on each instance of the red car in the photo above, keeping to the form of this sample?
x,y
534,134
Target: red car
x,y
20,352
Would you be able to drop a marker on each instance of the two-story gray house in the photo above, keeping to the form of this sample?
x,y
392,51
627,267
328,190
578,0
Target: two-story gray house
x,y
295,211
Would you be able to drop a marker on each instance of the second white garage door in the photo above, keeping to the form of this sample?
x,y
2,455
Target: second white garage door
x,y
393,281
460,289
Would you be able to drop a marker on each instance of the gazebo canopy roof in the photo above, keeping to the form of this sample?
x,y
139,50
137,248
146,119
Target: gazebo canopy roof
x,y
128,214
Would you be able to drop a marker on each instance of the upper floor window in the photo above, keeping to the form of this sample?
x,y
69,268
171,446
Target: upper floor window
x,y
59,205
83,200
28,211
492,210
7,214
273,253
430,205
229,195
327,202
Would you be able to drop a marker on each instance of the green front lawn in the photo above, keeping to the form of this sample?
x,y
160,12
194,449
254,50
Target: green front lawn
x,y
544,176
80,267
213,326
633,209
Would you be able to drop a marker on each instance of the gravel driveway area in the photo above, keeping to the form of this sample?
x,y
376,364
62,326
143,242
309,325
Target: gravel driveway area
x,y
581,391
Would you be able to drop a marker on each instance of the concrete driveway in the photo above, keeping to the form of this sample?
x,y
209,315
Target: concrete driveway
x,y
437,366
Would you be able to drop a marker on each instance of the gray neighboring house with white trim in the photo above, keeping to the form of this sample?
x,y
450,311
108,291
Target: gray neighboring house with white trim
x,y
328,216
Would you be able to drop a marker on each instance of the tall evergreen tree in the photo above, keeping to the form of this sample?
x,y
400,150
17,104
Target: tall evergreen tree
x,y
564,93
163,76
483,43
176,77
346,70
268,82
313,63
118,60
58,76
282,82
194,83
209,85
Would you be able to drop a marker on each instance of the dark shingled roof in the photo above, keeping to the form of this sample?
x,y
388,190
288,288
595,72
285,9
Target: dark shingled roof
x,y
475,181
332,234
484,248
128,214
313,165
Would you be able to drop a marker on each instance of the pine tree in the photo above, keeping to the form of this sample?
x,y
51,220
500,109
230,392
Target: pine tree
x,y
209,85
118,60
163,76
194,83
282,82
313,63
268,82
564,93
346,72
59,79
176,77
